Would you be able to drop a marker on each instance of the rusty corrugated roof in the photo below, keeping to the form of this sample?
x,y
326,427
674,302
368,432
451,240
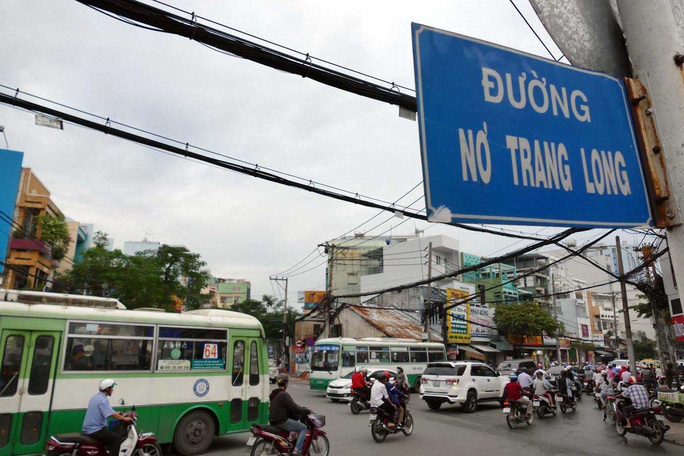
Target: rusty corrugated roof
x,y
394,323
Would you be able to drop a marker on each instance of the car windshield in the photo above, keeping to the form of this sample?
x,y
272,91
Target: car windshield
x,y
349,375
444,369
325,357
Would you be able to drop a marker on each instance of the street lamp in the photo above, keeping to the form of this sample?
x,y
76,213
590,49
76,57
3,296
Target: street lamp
x,y
2,130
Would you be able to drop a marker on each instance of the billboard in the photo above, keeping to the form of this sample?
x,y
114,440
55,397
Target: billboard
x,y
311,299
10,174
482,321
458,318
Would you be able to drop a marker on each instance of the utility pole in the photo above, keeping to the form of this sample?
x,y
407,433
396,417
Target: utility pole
x,y
331,258
555,315
625,308
285,331
615,324
428,299
655,50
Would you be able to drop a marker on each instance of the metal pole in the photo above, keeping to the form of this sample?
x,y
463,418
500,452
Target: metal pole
x,y
625,309
655,49
555,315
326,326
428,299
615,325
285,316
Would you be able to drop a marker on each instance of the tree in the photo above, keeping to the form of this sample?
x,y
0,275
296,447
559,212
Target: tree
x,y
55,232
527,319
645,349
148,279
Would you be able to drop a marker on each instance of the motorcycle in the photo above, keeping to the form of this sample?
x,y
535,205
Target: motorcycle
x,y
610,412
589,386
577,389
379,420
515,414
76,444
359,402
272,440
565,402
647,422
542,405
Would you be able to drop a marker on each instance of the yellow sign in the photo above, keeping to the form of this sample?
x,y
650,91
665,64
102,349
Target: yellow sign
x,y
313,298
458,318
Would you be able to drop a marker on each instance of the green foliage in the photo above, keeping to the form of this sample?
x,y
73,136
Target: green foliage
x,y
147,279
645,349
269,311
527,319
55,232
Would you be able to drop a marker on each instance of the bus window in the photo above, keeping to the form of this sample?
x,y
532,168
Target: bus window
x,y
348,357
400,355
253,364
435,354
184,349
418,355
379,355
362,355
11,361
40,367
325,357
238,362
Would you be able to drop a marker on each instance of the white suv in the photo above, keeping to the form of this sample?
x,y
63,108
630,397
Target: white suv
x,y
460,382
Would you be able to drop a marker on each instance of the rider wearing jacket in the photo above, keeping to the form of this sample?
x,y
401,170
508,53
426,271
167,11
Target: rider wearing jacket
x,y
285,413
396,395
359,383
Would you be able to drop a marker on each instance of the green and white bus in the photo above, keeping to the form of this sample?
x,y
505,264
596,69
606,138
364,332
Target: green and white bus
x,y
336,357
192,376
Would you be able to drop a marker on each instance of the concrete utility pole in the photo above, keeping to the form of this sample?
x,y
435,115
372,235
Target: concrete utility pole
x,y
655,49
615,324
625,309
331,258
277,280
555,315
428,299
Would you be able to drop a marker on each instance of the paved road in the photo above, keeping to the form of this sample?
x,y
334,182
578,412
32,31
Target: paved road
x,y
448,430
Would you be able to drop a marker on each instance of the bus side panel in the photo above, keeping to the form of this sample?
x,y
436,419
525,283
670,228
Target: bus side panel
x,y
33,324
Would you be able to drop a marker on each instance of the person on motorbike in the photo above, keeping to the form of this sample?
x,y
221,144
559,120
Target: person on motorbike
x,y
402,380
639,397
542,387
513,392
380,397
598,376
525,380
285,413
565,384
396,394
605,387
95,421
359,383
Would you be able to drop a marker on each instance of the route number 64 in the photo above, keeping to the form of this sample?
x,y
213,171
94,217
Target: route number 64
x,y
210,351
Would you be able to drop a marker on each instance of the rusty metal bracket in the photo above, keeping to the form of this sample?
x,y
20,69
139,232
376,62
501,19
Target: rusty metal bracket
x,y
664,209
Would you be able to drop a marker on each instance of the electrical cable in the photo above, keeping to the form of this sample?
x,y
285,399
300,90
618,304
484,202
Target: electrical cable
x,y
535,32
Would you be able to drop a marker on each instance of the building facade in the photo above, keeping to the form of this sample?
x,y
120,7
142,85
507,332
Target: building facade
x,y
232,291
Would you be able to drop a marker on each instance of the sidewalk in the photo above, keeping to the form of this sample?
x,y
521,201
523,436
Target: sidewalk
x,y
676,432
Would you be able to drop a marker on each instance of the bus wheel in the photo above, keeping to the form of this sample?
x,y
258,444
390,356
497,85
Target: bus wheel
x,y
194,433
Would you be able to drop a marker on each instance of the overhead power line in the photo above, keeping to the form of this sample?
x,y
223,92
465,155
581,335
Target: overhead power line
x,y
157,19
105,125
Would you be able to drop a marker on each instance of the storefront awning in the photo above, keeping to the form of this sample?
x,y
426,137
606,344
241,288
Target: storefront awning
x,y
503,345
485,348
598,351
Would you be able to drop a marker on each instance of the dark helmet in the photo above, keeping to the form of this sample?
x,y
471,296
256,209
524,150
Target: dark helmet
x,y
382,376
282,381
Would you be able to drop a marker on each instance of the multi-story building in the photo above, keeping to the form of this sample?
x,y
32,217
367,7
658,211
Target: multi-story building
x,y
133,247
232,291
533,283
29,259
497,279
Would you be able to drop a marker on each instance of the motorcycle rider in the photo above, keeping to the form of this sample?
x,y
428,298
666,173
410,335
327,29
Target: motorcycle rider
x,y
513,392
359,383
524,379
605,387
542,387
284,412
639,397
380,398
396,395
95,421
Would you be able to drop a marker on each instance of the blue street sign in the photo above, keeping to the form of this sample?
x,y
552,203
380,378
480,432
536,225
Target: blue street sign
x,y
511,138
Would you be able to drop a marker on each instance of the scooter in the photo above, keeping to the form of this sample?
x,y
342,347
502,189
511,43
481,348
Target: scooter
x,y
542,405
648,423
359,402
379,424
515,414
135,444
565,402
272,440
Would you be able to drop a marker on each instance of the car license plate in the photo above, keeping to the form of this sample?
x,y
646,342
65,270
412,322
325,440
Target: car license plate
x,y
536,403
660,418
372,417
560,398
506,410
435,383
251,440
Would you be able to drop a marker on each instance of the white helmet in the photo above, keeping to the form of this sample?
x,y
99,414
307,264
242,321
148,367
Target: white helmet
x,y
106,384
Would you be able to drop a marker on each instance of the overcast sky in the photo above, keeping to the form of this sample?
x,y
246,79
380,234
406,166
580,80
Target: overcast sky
x,y
242,227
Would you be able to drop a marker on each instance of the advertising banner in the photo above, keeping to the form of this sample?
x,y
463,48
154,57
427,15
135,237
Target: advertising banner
x,y
482,320
313,298
678,324
458,325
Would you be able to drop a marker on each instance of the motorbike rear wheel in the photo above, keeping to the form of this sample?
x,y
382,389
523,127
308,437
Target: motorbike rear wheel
x,y
658,436
149,449
378,433
541,412
610,412
563,407
671,417
620,428
408,424
263,448
355,407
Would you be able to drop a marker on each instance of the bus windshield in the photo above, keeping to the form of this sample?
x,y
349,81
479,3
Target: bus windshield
x,y
325,357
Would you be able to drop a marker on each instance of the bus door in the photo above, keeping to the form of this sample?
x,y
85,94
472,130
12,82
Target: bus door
x,y
237,395
254,381
27,375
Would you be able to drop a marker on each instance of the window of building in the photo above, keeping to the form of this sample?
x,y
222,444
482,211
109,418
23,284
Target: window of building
x,y
94,346
352,278
438,260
